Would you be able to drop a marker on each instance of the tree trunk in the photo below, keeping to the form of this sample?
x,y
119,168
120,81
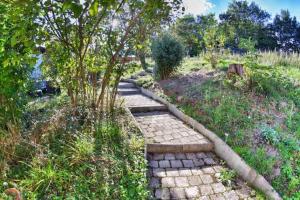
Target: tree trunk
x,y
142,58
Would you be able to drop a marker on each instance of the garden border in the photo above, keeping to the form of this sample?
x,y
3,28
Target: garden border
x,y
224,151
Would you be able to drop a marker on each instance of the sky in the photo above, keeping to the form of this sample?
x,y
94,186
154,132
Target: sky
x,y
197,7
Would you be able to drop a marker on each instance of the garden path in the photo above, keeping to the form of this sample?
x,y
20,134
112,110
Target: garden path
x,y
181,162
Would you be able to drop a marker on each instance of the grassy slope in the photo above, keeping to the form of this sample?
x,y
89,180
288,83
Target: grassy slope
x,y
262,125
62,157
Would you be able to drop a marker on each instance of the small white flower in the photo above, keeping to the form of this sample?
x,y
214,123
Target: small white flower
x,y
5,184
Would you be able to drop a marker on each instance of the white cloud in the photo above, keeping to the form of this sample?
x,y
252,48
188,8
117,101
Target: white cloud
x,y
197,7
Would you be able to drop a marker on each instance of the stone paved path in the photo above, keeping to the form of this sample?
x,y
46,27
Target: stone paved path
x,y
164,128
182,164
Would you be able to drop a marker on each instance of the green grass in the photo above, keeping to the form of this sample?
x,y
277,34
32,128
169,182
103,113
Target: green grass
x,y
192,64
77,159
246,116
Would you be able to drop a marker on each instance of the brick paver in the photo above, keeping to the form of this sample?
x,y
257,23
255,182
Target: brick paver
x,y
191,181
179,175
164,128
139,100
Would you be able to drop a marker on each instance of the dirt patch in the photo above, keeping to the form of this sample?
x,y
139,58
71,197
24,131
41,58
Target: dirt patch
x,y
180,84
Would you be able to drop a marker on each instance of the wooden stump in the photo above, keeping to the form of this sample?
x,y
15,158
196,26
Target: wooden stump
x,y
235,69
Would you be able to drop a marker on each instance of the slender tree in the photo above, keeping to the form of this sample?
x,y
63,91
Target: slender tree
x,y
247,20
286,31
88,40
17,46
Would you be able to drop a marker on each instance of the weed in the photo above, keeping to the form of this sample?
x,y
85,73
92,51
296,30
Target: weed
x,y
76,159
227,176
234,113
257,159
145,82
270,135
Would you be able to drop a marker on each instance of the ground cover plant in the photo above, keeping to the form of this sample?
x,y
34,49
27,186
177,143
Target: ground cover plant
x,y
67,157
256,109
237,73
167,53
74,145
259,121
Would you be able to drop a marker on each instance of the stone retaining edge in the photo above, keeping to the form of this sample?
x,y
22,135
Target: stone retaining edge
x,y
224,151
178,148
138,109
137,125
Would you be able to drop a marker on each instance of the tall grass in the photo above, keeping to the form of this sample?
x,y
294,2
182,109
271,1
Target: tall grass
x,y
274,58
270,58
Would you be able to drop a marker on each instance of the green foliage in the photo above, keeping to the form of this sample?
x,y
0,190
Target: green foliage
x,y
227,176
193,64
16,60
292,122
229,114
17,46
214,41
84,47
246,19
167,53
270,82
270,135
257,159
228,111
246,119
145,81
42,178
247,45
286,29
186,29
277,59
74,157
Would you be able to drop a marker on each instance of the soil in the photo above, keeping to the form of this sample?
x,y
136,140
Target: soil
x,y
179,86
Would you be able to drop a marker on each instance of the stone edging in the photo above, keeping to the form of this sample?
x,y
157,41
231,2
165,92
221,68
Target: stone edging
x,y
136,125
224,151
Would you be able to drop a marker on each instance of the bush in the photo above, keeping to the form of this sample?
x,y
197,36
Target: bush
x,y
167,53
257,159
270,135
270,82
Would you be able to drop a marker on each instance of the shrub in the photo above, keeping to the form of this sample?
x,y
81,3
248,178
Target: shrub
x,y
214,40
227,176
257,159
145,82
167,53
270,135
270,82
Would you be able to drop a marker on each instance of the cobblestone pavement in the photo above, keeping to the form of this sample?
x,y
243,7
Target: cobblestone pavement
x,y
180,175
191,176
139,100
164,128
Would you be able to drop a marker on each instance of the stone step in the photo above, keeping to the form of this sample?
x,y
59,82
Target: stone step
x,y
164,132
141,103
179,147
138,109
128,91
190,176
126,85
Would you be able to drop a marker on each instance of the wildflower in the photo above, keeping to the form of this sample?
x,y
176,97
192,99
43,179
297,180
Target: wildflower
x,y
5,184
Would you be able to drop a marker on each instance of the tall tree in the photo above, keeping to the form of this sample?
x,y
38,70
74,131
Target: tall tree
x,y
286,31
17,46
145,29
186,28
88,39
205,23
266,40
247,20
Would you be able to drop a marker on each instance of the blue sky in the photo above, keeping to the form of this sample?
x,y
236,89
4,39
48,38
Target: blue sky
x,y
220,6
